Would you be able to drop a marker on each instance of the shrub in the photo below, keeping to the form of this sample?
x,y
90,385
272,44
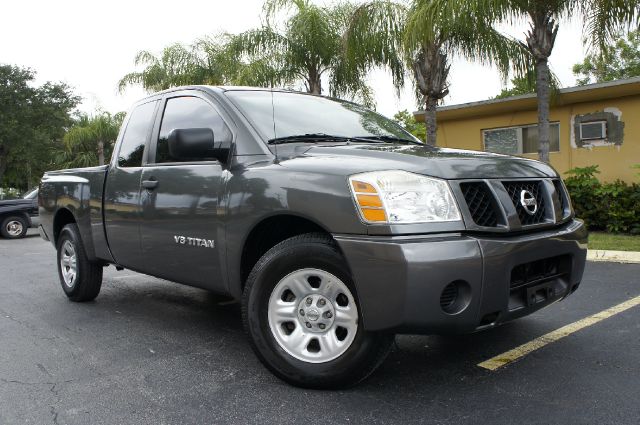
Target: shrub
x,y
614,207
9,193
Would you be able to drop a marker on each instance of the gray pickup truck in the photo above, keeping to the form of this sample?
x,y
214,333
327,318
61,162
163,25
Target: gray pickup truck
x,y
334,226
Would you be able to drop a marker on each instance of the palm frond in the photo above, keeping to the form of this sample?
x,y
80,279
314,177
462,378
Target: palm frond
x,y
374,38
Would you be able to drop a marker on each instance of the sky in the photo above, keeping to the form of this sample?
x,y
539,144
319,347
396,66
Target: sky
x,y
90,45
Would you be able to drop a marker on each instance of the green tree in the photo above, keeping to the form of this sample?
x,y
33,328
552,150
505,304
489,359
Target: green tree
x,y
527,85
33,120
418,36
408,121
210,60
173,67
619,60
90,140
303,43
519,86
602,19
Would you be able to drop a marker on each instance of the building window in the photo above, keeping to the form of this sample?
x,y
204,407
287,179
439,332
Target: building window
x,y
519,140
595,130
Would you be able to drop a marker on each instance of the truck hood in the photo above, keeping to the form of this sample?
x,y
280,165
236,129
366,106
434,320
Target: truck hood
x,y
15,202
436,162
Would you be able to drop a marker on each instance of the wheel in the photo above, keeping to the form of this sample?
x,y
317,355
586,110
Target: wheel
x,y
301,314
80,278
14,227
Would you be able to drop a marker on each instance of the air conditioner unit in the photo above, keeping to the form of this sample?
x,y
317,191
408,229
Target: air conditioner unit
x,y
595,130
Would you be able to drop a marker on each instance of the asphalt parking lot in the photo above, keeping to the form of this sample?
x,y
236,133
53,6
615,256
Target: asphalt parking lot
x,y
149,352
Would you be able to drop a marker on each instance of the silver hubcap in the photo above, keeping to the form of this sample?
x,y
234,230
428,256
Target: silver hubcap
x,y
14,228
68,264
313,315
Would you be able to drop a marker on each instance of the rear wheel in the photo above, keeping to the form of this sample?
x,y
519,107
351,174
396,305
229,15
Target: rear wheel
x,y
301,313
80,278
14,227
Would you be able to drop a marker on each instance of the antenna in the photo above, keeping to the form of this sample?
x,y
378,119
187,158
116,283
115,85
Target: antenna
x,y
273,115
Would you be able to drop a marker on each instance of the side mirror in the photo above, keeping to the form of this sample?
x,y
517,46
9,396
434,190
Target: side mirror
x,y
195,144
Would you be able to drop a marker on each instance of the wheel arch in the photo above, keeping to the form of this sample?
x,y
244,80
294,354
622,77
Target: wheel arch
x,y
62,217
266,234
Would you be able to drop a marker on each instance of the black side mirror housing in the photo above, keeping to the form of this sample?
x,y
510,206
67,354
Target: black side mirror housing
x,y
196,144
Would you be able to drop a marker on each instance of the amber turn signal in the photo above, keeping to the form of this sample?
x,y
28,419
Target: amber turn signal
x,y
370,204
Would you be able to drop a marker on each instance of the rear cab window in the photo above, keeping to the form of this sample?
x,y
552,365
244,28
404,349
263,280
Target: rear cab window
x,y
136,135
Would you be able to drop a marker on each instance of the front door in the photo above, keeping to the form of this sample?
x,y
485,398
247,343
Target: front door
x,y
181,227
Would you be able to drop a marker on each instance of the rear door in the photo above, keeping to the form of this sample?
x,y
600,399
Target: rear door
x,y
182,215
122,190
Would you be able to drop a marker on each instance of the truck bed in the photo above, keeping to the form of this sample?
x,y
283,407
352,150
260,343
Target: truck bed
x,y
80,191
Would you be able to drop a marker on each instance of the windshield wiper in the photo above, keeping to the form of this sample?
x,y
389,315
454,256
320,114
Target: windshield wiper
x,y
308,138
387,139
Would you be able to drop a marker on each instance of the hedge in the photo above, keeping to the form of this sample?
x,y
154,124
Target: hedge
x,y
612,207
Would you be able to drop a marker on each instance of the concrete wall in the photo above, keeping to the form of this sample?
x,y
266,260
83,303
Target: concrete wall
x,y
615,161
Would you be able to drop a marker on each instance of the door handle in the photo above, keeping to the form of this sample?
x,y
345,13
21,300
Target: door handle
x,y
150,184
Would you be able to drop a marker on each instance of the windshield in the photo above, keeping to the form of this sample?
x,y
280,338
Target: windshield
x,y
32,194
296,114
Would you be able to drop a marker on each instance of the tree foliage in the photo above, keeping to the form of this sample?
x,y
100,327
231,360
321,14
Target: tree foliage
x,y
33,120
302,43
618,60
527,85
90,140
519,86
408,121
420,37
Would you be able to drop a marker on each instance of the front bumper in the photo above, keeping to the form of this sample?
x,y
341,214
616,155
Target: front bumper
x,y
400,280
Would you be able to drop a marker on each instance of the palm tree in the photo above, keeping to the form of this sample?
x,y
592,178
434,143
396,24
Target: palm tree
x,y
419,36
602,20
305,47
90,139
174,67
209,60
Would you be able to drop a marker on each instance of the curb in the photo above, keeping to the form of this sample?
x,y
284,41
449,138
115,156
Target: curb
x,y
614,256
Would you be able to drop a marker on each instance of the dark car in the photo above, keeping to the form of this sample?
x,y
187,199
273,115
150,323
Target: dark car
x,y
18,215
334,226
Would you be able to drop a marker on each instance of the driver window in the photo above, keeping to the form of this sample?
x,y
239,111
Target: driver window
x,y
184,113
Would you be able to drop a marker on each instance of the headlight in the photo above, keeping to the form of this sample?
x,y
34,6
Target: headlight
x,y
402,197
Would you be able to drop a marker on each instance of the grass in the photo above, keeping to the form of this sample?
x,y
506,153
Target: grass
x,y
609,241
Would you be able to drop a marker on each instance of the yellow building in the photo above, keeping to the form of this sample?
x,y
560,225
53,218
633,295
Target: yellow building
x,y
597,124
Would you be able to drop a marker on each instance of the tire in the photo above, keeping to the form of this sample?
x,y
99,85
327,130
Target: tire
x,y
14,227
295,265
80,278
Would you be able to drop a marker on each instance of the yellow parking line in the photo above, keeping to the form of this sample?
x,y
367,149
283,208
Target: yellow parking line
x,y
521,351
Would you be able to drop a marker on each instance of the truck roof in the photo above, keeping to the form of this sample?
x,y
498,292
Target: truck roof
x,y
225,88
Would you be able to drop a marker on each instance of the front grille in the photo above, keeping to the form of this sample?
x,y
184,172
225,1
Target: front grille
x,y
515,189
481,203
560,195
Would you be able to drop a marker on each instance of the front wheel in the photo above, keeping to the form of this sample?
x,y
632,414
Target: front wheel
x,y
14,227
80,278
301,313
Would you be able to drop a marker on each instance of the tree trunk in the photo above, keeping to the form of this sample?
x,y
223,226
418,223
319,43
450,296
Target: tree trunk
x,y
542,90
101,153
431,72
430,120
541,38
314,80
3,163
315,86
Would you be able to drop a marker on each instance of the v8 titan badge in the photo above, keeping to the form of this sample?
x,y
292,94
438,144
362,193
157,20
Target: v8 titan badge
x,y
186,240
